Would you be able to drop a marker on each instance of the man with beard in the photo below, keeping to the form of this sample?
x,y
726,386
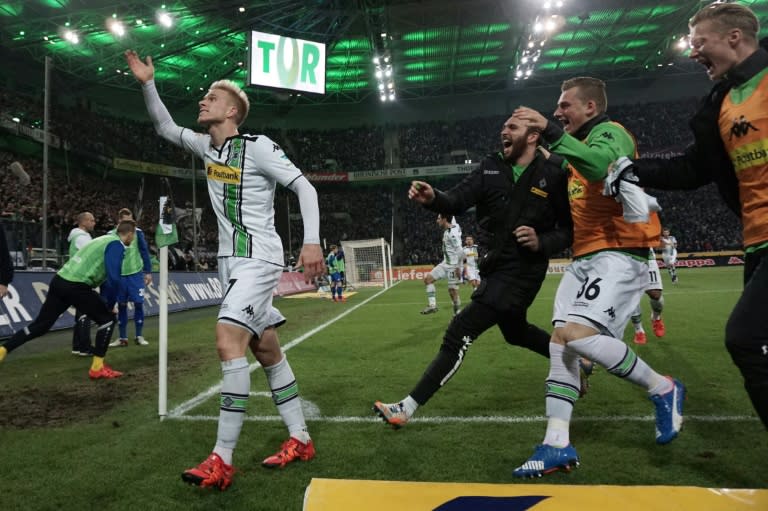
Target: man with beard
x,y
524,217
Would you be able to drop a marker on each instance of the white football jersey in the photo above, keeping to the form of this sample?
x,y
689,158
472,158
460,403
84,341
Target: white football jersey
x,y
452,251
242,177
470,254
668,245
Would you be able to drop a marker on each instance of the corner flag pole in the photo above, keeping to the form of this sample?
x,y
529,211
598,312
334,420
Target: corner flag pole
x,y
162,378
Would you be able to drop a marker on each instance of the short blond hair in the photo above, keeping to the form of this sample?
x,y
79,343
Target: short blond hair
x,y
729,16
590,89
240,97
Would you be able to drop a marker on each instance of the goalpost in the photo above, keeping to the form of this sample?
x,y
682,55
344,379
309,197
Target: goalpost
x,y
368,262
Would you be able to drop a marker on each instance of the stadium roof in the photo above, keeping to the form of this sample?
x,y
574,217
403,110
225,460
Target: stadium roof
x,y
442,47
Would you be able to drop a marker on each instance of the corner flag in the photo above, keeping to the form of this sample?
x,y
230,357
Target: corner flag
x,y
166,233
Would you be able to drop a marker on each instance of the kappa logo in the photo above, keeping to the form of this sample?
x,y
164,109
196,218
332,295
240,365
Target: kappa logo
x,y
741,127
611,312
249,311
275,148
607,134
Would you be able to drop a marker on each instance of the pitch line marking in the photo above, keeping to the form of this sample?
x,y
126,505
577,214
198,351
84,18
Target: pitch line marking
x,y
215,389
479,419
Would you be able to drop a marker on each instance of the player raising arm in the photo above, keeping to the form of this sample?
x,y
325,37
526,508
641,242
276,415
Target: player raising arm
x,y
243,171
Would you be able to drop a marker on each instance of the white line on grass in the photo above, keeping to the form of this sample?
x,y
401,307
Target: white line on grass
x,y
184,407
482,419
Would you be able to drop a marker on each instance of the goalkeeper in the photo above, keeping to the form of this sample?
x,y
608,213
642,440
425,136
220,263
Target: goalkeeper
x,y
523,215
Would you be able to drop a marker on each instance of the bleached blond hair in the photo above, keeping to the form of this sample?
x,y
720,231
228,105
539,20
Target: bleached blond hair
x,y
241,98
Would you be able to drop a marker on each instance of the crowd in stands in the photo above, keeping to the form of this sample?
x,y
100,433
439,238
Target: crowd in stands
x,y
347,211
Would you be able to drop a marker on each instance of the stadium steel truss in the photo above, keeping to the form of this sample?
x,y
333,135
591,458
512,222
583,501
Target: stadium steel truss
x,y
437,47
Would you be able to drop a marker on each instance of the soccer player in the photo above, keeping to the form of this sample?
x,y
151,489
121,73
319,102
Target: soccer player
x,y
523,215
99,262
470,262
654,289
243,172
342,265
449,268
137,274
605,281
335,274
79,237
668,245
729,129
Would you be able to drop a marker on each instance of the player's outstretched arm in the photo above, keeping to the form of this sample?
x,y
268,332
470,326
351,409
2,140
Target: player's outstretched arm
x,y
142,71
421,192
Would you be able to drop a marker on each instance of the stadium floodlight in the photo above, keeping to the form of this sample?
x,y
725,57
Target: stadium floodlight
x,y
71,36
388,72
376,60
383,97
682,43
241,9
164,19
15,119
391,96
381,86
117,28
378,73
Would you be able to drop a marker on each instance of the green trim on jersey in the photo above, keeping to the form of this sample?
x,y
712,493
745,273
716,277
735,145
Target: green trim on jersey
x,y
606,143
88,266
745,90
755,248
233,200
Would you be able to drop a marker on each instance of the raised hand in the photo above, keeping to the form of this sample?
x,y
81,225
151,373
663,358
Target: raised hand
x,y
421,192
142,71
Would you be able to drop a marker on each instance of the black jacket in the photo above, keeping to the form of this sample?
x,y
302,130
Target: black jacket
x,y
6,264
546,209
706,160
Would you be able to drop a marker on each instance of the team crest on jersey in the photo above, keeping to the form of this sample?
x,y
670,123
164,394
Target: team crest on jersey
x,y
576,190
224,173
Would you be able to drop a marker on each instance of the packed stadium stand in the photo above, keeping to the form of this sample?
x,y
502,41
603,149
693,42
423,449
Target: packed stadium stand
x,y
82,180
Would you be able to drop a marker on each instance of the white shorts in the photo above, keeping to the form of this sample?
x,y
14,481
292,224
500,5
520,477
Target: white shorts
x,y
447,271
601,292
473,274
248,286
654,276
669,259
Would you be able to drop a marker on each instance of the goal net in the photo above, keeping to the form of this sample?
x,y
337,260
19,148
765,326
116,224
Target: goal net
x,y
367,262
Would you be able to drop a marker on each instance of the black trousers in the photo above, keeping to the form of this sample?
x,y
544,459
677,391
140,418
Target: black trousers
x,y
746,334
473,320
63,294
81,333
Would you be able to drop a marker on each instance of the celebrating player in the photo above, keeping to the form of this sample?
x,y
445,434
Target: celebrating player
x,y
470,262
668,245
243,171
449,268
605,281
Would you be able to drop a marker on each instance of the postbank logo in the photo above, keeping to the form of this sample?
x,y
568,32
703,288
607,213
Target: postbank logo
x,y
223,173
576,189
